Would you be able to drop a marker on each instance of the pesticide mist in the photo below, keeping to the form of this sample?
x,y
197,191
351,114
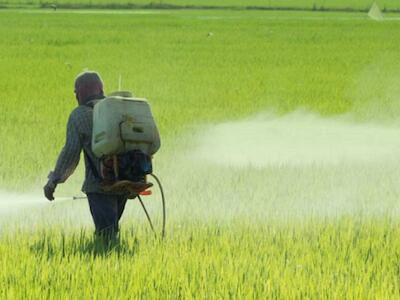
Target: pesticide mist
x,y
12,201
261,169
296,166
297,140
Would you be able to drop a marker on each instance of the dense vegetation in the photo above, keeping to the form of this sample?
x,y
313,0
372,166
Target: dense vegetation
x,y
315,260
252,61
288,4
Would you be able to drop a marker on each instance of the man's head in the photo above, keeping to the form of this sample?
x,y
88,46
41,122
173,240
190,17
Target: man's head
x,y
87,85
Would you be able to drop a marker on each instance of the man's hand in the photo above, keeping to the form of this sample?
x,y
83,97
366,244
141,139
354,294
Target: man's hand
x,y
49,189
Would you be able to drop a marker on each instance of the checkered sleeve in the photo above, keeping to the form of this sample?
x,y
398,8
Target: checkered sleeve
x,y
69,157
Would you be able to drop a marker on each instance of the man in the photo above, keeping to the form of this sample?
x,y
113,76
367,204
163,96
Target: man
x,y
106,209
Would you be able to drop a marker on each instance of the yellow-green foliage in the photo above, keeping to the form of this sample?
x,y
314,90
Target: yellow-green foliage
x,y
319,260
305,4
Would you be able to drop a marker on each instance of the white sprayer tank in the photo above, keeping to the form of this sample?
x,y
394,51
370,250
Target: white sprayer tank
x,y
123,123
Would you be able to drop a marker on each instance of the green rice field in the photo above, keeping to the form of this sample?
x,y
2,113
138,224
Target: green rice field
x,y
269,4
279,153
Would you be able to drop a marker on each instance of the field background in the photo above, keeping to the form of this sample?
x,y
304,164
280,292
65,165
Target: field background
x,y
225,240
292,4
330,64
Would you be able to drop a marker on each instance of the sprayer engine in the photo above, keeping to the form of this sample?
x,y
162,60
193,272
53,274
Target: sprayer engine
x,y
133,165
126,173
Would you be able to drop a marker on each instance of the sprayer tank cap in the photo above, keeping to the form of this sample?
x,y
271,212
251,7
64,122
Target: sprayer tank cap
x,y
125,94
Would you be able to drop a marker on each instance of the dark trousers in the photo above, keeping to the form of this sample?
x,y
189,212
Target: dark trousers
x,y
106,211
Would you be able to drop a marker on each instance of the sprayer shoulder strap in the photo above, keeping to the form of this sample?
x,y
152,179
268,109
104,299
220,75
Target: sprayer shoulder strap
x,y
92,166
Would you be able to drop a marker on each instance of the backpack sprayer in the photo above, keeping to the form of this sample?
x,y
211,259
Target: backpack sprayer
x,y
125,137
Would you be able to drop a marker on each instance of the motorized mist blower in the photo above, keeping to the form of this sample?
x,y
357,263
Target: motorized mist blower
x,y
125,138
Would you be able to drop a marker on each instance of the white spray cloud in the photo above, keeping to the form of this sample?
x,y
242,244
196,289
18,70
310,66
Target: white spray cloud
x,y
289,167
11,202
297,139
264,168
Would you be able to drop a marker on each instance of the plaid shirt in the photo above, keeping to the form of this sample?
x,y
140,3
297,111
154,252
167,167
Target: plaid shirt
x,y
79,137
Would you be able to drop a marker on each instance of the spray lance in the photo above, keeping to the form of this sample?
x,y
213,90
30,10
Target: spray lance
x,y
146,192
71,198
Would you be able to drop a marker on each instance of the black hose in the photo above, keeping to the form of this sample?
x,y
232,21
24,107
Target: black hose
x,y
163,204
147,215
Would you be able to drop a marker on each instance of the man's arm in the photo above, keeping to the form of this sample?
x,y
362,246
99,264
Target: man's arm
x,y
67,161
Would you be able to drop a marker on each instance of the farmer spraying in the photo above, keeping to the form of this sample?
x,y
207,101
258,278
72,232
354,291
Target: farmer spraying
x,y
118,137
